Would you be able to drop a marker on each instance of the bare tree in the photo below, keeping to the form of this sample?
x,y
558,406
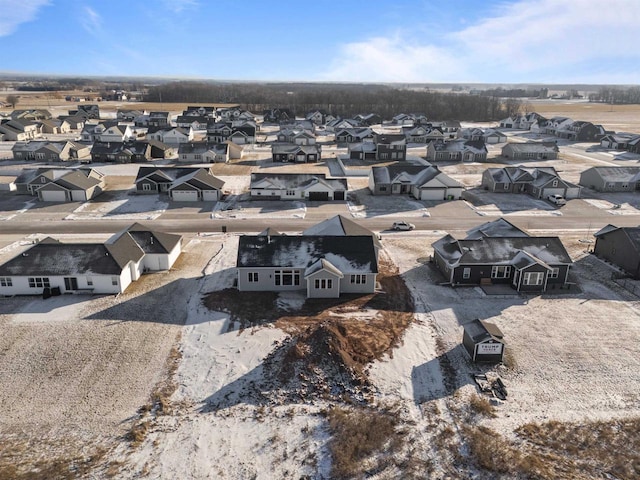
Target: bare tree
x,y
13,100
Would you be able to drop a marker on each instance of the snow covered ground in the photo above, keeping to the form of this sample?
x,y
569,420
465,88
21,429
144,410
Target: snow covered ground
x,y
122,207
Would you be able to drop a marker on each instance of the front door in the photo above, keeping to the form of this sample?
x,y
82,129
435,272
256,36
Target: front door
x,y
70,283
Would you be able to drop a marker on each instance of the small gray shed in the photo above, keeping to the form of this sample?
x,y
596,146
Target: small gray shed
x,y
483,341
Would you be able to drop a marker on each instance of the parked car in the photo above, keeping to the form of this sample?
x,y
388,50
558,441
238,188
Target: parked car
x,y
403,226
557,199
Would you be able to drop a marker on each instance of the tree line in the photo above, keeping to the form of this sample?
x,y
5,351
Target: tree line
x,y
616,95
344,100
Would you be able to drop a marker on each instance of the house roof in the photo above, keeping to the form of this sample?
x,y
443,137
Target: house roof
x,y
169,174
322,264
347,254
283,181
533,147
201,179
341,226
501,250
632,233
417,175
617,174
497,228
54,258
480,331
202,147
280,148
147,240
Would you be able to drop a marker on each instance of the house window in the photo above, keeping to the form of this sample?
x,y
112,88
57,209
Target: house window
x,y
287,277
500,271
114,280
506,186
384,156
6,282
39,282
184,156
198,156
554,183
554,273
625,185
466,272
290,193
359,279
383,189
43,180
253,277
89,282
146,187
324,283
39,156
533,278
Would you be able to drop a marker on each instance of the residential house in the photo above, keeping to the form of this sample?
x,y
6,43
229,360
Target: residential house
x,y
31,115
423,183
581,131
200,111
170,135
555,125
531,151
342,123
354,135
288,152
89,111
324,266
369,119
46,151
611,179
181,184
390,146
128,115
203,152
457,150
98,268
539,182
316,116
417,134
91,131
54,126
60,184
449,128
617,141
197,123
528,264
366,150
297,137
158,119
297,186
277,115
19,130
488,136
620,246
76,122
121,152
403,119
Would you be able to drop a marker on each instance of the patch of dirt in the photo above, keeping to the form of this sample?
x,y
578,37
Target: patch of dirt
x,y
332,341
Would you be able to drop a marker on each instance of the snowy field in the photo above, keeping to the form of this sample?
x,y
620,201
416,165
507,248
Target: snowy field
x,y
123,207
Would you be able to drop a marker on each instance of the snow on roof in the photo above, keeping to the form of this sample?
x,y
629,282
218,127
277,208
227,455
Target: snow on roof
x,y
617,174
348,254
340,226
496,228
496,250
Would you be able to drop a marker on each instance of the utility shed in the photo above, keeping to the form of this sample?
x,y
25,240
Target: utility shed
x,y
483,341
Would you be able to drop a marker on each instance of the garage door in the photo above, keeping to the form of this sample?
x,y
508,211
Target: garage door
x,y
318,196
338,195
184,196
210,195
433,194
53,196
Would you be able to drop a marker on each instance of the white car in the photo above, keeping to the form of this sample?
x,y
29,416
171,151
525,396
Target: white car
x,y
557,199
403,226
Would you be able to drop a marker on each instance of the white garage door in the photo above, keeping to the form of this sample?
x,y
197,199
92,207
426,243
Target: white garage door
x,y
433,194
54,196
210,195
185,196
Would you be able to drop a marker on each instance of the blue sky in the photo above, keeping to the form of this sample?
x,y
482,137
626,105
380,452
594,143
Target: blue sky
x,y
483,41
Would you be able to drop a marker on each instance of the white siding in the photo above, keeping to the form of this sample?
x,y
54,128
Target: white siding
x,y
210,195
184,195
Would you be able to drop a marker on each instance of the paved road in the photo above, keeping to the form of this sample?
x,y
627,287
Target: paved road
x,y
450,216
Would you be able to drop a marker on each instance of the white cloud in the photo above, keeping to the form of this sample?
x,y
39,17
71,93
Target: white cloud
x,y
91,20
15,12
525,41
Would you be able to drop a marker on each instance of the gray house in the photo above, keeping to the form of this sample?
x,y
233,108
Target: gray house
x,y
528,264
181,184
324,266
531,151
539,182
423,183
620,246
611,179
61,184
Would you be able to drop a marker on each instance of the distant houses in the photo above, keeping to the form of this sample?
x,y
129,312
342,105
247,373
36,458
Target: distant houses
x,y
539,182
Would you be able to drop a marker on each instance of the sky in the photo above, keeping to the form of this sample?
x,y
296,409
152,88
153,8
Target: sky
x,y
405,41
